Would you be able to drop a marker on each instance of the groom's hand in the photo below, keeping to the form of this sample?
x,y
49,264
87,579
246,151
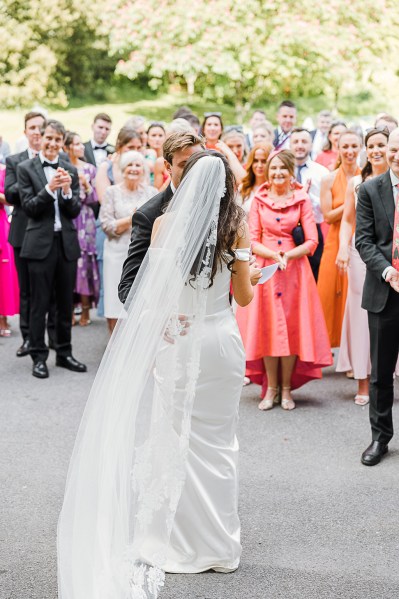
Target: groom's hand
x,y
392,278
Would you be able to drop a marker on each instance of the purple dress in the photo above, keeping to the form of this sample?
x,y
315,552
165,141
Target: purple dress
x,y
87,277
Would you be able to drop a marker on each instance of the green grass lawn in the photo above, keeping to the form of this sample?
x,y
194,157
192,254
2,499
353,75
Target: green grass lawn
x,y
78,117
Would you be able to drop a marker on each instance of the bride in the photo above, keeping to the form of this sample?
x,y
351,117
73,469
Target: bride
x,y
152,483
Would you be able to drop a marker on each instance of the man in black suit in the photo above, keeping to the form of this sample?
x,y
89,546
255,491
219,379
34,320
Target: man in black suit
x,y
177,149
49,192
33,124
97,149
377,240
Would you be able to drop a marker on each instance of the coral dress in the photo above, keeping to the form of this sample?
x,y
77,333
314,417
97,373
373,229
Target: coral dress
x,y
328,158
332,285
9,289
285,317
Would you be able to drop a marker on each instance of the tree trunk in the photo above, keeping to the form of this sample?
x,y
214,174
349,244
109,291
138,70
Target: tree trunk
x,y
190,80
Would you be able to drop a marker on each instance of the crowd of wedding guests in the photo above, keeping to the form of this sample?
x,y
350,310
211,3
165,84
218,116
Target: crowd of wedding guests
x,y
66,209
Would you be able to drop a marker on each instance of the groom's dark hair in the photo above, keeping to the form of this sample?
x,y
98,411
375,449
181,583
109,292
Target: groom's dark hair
x,y
179,141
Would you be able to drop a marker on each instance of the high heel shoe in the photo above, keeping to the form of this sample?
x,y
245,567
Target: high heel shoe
x,y
268,402
287,403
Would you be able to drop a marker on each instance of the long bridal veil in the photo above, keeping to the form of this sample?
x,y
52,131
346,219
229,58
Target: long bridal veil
x,y
128,465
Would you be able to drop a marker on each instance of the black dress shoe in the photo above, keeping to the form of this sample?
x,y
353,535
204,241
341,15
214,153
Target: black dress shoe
x,y
70,363
374,453
40,370
24,350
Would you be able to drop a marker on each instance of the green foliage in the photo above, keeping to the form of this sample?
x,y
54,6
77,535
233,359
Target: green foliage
x,y
50,49
255,51
223,51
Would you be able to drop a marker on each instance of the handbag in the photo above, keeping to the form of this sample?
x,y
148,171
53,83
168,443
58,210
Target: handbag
x,y
298,234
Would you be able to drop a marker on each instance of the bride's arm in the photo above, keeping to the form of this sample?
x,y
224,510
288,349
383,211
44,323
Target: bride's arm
x,y
155,226
240,278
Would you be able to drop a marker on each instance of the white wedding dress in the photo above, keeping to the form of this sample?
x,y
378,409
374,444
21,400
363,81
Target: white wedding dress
x,y
206,528
152,483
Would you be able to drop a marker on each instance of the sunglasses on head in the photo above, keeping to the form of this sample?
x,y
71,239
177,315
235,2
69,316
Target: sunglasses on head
x,y
238,128
208,114
383,129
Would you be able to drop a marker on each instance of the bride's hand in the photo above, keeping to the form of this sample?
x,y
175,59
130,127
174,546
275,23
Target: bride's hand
x,y
179,327
255,273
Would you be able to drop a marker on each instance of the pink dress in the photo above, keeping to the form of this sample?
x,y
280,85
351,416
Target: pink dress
x,y
285,317
9,290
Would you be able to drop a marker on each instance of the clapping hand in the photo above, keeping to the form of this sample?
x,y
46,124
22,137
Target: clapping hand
x,y
61,180
281,259
393,279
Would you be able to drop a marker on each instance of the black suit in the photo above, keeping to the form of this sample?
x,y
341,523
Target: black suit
x,y
280,138
89,154
142,223
374,240
51,256
16,236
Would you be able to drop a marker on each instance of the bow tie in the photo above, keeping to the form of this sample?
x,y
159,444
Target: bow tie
x,y
51,164
100,147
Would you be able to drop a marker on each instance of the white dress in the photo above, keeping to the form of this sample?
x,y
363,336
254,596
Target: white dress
x,y
118,203
206,529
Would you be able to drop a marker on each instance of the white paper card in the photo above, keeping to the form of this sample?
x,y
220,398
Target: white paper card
x,y
267,273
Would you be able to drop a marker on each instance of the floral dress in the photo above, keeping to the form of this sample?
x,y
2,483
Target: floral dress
x,y
87,276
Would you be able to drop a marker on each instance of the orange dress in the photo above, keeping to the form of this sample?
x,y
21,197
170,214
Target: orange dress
x,y
332,285
285,317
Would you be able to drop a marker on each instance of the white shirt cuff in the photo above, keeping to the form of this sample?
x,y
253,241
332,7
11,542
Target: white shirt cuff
x,y
385,272
52,193
67,196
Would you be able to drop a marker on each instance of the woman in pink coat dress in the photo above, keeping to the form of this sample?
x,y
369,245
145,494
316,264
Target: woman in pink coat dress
x,y
9,291
284,332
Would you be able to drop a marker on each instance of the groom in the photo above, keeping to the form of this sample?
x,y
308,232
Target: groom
x,y
377,241
177,149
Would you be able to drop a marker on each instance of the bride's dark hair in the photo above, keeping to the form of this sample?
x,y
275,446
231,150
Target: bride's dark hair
x,y
231,216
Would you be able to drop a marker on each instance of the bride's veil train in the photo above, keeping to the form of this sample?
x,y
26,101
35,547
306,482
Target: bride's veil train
x,y
128,465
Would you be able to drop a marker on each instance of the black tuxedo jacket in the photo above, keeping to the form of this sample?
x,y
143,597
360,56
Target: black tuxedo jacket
x,y
89,154
38,204
375,212
142,223
19,219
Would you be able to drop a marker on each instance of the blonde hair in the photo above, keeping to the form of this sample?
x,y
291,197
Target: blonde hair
x,y
178,125
288,160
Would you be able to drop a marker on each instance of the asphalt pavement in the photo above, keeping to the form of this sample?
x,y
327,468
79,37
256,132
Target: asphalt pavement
x,y
316,524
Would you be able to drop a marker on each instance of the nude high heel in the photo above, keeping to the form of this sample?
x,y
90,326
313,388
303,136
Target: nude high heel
x,y
287,403
268,402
